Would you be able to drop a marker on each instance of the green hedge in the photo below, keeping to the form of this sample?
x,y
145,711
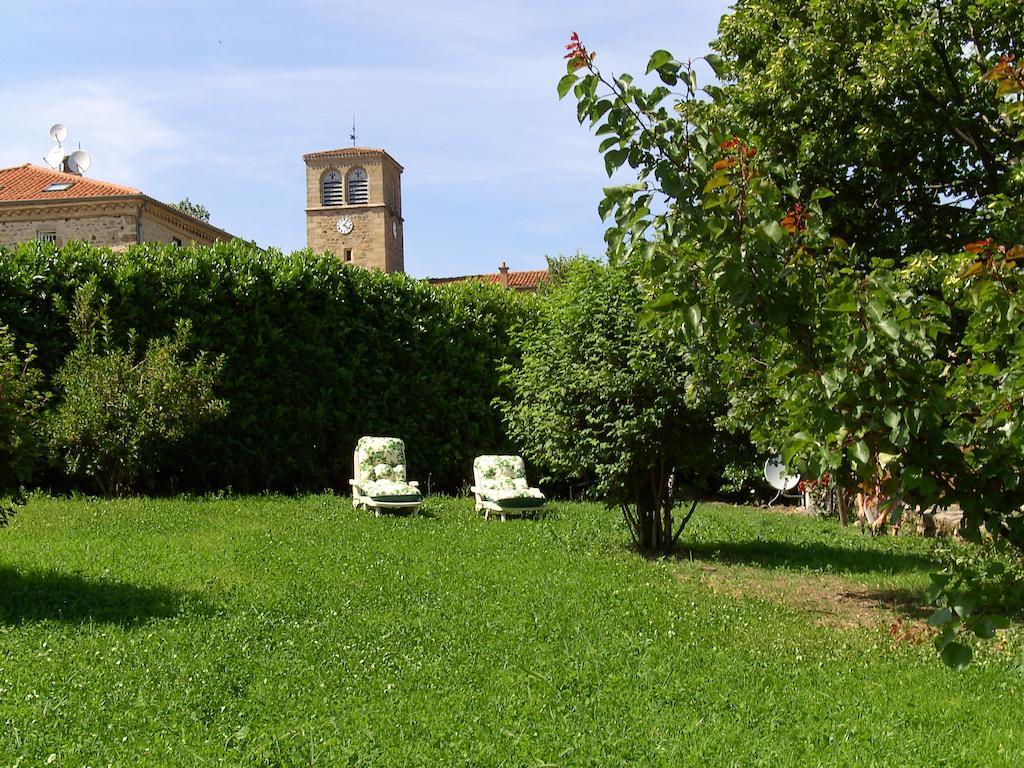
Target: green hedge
x,y
317,354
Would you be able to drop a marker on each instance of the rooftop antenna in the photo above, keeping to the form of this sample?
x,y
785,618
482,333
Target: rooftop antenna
x,y
77,162
353,134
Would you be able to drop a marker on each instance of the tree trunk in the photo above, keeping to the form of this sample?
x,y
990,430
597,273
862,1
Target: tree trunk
x,y
844,518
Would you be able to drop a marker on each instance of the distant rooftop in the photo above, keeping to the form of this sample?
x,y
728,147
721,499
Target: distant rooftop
x,y
523,280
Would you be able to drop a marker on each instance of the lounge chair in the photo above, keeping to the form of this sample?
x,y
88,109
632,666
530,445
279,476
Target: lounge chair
x,y
379,469
500,486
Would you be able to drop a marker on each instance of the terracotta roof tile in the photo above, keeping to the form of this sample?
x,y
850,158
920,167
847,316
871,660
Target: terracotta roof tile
x,y
29,182
525,280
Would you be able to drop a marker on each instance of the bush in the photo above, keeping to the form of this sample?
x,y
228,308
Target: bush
x,y
20,405
599,394
121,410
316,354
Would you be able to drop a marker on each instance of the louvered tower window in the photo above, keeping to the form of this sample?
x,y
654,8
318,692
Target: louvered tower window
x,y
331,189
358,187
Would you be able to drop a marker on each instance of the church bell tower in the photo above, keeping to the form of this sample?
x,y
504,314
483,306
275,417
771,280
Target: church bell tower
x,y
354,207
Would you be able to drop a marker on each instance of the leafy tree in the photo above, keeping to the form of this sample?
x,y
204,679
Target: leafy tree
x,y
597,394
20,407
904,377
884,102
121,409
195,210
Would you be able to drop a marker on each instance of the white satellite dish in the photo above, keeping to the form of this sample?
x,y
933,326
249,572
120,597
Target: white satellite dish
x,y
779,477
55,158
58,132
79,161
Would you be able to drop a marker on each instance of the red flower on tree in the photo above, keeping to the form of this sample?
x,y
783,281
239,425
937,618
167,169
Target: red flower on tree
x,y
577,55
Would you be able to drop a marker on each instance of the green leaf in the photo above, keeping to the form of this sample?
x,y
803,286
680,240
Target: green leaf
x,y
889,328
957,656
985,628
989,369
860,451
885,458
565,84
821,193
843,305
664,303
658,59
940,617
876,310
694,317
715,182
774,230
964,605
614,159
716,63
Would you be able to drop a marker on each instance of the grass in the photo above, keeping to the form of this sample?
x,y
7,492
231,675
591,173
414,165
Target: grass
x,y
277,632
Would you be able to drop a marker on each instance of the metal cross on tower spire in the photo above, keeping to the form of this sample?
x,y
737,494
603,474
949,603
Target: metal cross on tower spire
x,y
353,134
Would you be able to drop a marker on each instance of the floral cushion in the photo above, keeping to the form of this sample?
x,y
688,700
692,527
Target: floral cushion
x,y
502,479
379,458
391,490
515,497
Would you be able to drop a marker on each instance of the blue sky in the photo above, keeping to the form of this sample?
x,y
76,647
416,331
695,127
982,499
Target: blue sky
x,y
218,101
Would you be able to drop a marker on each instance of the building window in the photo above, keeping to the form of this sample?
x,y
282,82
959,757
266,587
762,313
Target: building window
x,y
358,187
49,236
348,254
331,189
59,186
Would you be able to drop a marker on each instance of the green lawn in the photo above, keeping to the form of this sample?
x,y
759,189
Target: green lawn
x,y
271,631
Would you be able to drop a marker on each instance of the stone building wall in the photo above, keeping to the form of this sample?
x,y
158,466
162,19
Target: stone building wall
x,y
373,242
160,225
365,241
107,224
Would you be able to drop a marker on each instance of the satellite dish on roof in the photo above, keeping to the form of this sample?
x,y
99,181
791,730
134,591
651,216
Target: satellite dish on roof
x,y
79,161
55,158
58,132
778,476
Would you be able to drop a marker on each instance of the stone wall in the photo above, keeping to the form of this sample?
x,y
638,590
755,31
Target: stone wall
x,y
160,225
105,224
366,240
372,241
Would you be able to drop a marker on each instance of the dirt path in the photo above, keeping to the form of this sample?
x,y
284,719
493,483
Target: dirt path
x,y
833,601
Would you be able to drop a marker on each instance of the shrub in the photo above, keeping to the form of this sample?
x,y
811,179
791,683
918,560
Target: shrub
x,y
20,405
120,410
599,394
317,354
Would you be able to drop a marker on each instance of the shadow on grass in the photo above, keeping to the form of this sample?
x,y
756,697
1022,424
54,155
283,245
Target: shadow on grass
x,y
810,556
904,602
27,596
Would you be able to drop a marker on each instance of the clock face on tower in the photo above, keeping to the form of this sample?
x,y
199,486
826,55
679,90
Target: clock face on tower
x,y
344,225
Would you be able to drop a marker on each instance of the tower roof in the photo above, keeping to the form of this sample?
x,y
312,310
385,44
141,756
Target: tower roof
x,y
347,152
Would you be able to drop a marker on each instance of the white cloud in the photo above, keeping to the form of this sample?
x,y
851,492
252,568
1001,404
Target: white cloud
x,y
125,140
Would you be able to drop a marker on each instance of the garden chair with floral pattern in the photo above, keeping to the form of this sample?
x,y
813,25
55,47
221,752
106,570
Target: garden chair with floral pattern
x,y
500,486
379,483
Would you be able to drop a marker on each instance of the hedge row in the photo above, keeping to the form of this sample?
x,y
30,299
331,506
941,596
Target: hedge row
x,y
318,354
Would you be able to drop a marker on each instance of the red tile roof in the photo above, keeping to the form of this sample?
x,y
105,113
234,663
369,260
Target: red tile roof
x,y
525,280
28,182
